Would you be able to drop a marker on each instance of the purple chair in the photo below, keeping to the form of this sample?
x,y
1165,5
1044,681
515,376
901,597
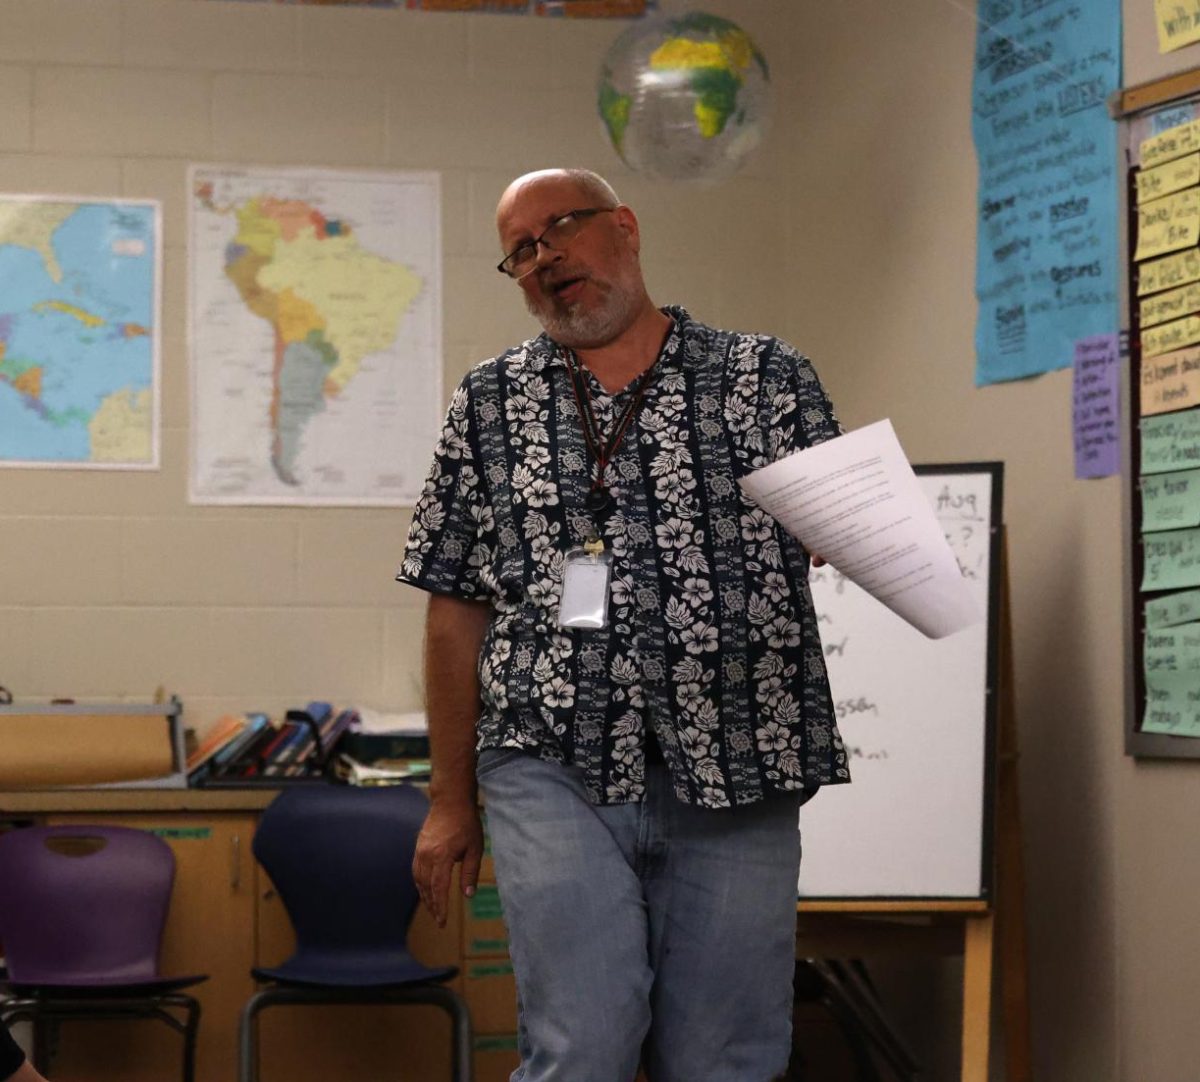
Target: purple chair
x,y
82,910
341,859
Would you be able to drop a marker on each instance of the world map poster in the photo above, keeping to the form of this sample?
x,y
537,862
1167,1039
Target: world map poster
x,y
79,356
315,335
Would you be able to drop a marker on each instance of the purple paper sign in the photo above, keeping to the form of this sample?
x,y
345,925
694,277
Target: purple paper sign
x,y
1097,407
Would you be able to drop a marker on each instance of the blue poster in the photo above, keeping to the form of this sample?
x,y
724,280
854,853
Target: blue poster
x,y
1047,268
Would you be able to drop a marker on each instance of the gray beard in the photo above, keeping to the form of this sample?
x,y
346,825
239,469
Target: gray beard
x,y
588,330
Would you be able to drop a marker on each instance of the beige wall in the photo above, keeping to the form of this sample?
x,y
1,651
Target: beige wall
x,y
852,234
111,584
884,223
883,256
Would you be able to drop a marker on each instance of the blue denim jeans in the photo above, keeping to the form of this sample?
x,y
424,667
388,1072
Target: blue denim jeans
x,y
653,929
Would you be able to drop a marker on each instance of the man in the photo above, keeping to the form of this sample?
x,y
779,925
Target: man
x,y
621,650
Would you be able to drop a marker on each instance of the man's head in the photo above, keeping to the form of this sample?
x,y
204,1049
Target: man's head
x,y
584,284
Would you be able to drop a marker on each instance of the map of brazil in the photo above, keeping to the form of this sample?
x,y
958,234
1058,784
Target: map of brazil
x,y
315,335
78,333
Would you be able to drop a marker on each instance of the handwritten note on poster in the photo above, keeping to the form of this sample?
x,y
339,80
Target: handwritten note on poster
x,y
1178,23
1172,703
1168,224
1047,264
1172,560
1096,407
1169,337
1171,381
1165,179
1173,609
1170,442
1169,305
1172,270
1170,501
1169,144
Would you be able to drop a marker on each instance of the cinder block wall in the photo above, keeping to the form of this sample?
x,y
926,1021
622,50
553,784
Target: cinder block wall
x,y
111,584
852,234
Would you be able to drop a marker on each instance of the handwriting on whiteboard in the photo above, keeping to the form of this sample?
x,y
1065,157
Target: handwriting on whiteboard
x,y
858,634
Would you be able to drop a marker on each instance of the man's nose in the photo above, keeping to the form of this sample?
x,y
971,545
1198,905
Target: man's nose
x,y
547,255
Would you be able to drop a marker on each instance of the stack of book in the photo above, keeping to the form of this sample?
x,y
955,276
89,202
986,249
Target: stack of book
x,y
385,749
257,749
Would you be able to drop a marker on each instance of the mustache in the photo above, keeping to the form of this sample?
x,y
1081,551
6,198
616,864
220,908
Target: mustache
x,y
549,277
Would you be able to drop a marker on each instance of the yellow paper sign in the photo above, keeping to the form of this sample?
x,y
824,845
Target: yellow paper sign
x,y
1168,224
1170,336
1178,23
1170,144
1169,305
1172,177
1170,382
1174,270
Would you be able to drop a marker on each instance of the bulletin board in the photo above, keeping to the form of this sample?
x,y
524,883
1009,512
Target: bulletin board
x,y
1161,142
918,717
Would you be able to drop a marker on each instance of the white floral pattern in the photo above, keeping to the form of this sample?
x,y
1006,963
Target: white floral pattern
x,y
712,639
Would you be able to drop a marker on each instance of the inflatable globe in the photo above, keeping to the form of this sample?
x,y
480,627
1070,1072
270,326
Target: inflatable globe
x,y
685,97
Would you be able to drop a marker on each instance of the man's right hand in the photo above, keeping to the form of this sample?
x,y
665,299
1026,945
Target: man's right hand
x,y
453,833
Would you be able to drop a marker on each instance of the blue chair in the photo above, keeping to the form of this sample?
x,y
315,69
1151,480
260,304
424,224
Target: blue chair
x,y
82,909
341,859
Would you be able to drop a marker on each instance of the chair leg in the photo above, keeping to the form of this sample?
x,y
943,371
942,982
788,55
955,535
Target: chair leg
x,y
435,995
248,1036
462,1065
189,1040
45,1037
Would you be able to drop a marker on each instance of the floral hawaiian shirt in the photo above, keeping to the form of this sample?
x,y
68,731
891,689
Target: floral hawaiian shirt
x,y
712,640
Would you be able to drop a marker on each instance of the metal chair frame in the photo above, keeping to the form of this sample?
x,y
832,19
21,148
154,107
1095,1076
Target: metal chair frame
x,y
46,1012
283,995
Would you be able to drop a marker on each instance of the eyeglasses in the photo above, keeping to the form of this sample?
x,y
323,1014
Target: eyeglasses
x,y
520,261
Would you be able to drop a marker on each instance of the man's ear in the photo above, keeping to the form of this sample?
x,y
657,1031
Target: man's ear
x,y
628,224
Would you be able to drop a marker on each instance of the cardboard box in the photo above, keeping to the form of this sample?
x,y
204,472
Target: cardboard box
x,y
484,931
490,990
78,745
496,1057
487,866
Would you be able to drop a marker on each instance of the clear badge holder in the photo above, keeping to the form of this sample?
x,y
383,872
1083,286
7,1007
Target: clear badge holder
x,y
587,575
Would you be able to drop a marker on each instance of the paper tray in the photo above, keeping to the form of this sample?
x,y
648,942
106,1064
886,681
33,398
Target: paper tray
x,y
87,745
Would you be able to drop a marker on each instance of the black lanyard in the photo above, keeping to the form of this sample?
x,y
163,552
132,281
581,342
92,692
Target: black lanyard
x,y
599,499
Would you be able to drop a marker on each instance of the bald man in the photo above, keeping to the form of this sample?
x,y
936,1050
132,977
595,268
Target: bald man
x,y
622,658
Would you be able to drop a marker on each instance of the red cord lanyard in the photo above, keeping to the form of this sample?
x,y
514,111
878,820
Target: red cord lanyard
x,y
599,499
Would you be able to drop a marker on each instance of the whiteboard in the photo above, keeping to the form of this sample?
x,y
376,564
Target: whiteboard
x,y
916,715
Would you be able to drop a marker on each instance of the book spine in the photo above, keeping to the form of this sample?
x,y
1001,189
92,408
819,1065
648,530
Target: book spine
x,y
266,751
247,764
286,749
233,750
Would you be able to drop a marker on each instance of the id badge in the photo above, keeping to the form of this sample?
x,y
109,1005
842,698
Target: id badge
x,y
584,598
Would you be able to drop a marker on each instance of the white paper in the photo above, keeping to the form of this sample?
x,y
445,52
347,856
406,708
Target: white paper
x,y
412,723
856,502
